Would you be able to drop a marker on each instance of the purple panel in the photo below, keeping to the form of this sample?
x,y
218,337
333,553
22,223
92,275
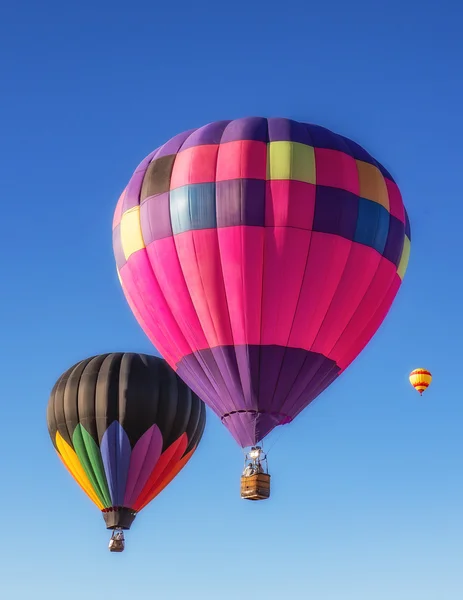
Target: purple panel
x,y
287,130
324,138
360,153
249,128
209,134
256,388
115,453
336,211
117,247
395,241
155,218
132,195
174,144
408,232
146,161
240,202
145,455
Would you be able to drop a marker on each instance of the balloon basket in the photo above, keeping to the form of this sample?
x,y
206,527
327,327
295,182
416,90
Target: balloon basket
x,y
117,541
255,487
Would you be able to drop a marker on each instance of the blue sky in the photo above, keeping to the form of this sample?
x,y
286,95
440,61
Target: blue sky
x,y
368,482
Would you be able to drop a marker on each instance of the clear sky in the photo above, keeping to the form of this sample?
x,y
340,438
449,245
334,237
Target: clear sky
x,y
367,497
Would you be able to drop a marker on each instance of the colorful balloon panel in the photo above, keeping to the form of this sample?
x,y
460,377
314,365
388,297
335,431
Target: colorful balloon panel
x,y
123,425
260,256
420,379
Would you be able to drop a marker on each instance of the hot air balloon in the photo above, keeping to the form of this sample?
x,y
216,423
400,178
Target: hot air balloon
x,y
420,380
260,256
123,425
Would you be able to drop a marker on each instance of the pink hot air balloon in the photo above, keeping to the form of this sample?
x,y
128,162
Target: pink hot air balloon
x,y
260,256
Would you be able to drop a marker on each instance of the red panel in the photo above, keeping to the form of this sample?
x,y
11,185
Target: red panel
x,y
168,476
242,160
165,465
396,206
336,169
194,165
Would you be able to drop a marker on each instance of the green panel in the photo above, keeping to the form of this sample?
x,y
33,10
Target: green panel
x,y
90,459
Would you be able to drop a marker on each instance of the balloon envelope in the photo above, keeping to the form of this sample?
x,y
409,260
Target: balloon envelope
x,y
260,256
420,380
124,425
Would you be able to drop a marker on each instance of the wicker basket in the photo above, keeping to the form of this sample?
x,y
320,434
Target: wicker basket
x,y
255,487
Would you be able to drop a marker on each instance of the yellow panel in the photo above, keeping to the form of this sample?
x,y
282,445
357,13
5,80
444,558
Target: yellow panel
x,y
71,462
131,236
420,379
403,264
372,184
291,160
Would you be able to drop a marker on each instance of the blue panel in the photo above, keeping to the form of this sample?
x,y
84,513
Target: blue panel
x,y
193,207
372,225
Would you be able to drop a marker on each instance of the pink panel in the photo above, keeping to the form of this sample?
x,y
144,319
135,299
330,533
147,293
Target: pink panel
x,y
166,267
396,206
144,290
194,165
199,256
336,169
362,324
143,459
358,273
241,249
289,204
242,160
118,210
285,256
373,325
328,256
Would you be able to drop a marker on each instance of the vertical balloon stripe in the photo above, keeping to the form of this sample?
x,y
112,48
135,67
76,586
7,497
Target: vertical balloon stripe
x,y
115,453
358,343
71,462
241,252
199,256
163,257
168,458
138,278
359,271
90,458
326,261
285,257
145,456
363,321
168,477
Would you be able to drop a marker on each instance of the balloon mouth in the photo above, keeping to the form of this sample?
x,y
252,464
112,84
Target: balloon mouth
x,y
119,517
280,418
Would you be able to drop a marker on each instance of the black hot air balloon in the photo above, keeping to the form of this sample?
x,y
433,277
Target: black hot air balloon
x,y
124,425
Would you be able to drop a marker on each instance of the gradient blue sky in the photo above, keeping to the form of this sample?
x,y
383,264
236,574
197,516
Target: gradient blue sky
x,y
367,483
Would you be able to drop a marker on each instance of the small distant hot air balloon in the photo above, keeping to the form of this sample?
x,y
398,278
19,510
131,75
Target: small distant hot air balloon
x,y
260,256
124,425
420,380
